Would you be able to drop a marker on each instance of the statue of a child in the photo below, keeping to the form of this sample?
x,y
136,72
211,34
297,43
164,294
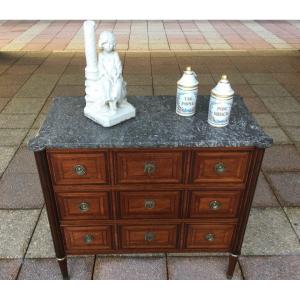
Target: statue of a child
x,y
105,89
110,82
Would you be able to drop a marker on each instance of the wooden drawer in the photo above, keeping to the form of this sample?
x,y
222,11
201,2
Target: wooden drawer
x,y
214,203
214,167
209,236
88,237
149,167
78,168
148,236
150,204
80,205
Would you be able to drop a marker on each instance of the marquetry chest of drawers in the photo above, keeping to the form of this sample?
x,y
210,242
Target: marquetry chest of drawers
x,y
156,183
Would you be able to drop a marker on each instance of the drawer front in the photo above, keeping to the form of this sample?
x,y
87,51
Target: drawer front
x,y
88,237
214,204
149,167
83,205
152,204
79,168
148,236
214,167
209,236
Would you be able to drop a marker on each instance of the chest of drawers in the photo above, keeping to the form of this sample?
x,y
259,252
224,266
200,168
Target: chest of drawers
x,y
156,183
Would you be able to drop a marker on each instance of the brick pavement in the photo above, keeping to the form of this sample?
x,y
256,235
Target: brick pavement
x,y
154,35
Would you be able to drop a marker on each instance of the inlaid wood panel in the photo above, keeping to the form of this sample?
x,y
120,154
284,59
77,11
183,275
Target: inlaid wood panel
x,y
78,168
149,204
216,167
149,167
214,203
209,236
83,205
88,237
148,236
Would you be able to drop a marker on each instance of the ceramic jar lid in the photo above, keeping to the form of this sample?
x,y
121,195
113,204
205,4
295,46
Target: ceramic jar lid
x,y
188,79
223,89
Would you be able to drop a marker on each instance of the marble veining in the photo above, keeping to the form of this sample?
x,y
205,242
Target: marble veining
x,y
156,125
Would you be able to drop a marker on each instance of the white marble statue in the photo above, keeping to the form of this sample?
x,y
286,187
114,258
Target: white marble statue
x,y
106,101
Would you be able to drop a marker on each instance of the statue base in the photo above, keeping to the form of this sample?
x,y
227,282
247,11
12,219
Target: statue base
x,y
124,112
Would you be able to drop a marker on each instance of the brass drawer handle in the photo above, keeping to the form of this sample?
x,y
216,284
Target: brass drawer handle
x,y
210,237
215,204
80,170
149,236
149,168
88,238
149,203
84,206
220,168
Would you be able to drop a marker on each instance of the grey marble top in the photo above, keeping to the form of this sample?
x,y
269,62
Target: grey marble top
x,y
156,125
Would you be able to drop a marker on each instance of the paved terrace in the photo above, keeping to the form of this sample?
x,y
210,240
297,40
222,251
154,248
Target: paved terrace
x,y
268,81
154,35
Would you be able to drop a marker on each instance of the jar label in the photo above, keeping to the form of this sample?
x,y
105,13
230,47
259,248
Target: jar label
x,y
186,102
219,111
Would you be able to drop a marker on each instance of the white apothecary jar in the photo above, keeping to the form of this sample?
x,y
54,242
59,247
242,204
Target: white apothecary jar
x,y
220,103
187,92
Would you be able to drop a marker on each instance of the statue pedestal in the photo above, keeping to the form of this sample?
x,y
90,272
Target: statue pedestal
x,y
124,112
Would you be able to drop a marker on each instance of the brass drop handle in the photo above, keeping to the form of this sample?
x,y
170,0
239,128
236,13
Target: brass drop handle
x,y
215,204
80,170
88,238
149,236
149,203
220,168
149,168
210,237
84,206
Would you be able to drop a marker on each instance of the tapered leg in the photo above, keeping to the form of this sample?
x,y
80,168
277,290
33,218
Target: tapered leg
x,y
231,266
63,265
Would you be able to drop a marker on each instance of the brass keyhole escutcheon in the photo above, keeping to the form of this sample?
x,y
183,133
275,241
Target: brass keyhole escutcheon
x,y
210,237
149,236
149,168
84,206
149,203
88,238
220,168
80,170
215,204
